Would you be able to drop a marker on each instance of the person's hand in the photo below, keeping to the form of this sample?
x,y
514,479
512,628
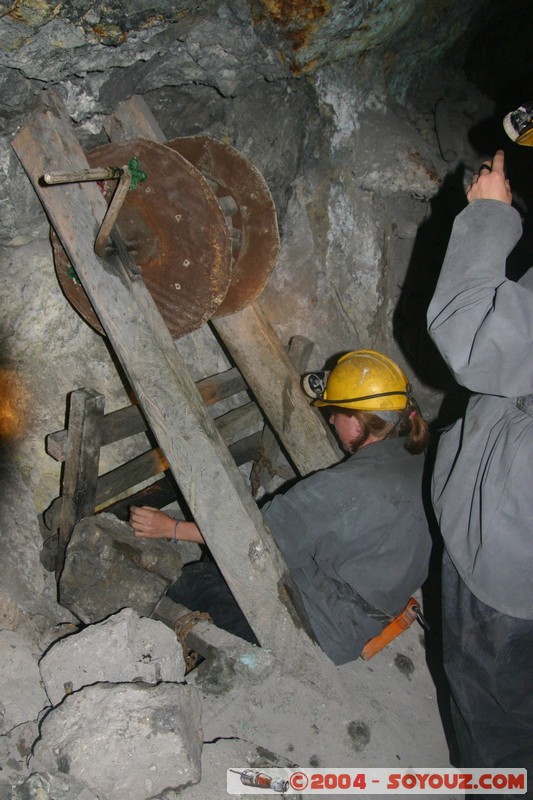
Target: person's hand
x,y
490,183
151,523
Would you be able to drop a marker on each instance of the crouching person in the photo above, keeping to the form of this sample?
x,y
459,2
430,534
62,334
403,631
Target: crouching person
x,y
354,536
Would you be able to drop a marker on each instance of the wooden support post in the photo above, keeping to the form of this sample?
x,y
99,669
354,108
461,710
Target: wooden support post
x,y
268,465
252,342
82,457
207,475
268,371
230,653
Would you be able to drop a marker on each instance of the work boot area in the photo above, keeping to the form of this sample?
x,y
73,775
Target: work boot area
x,y
203,205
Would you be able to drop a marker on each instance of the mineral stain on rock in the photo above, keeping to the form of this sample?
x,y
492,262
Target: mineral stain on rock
x,y
63,764
404,664
359,733
265,757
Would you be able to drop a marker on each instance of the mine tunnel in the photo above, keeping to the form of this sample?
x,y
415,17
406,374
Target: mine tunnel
x,y
207,210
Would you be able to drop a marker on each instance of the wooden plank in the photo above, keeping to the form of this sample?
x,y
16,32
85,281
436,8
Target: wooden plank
x,y
133,119
220,387
151,463
128,421
116,425
158,494
239,422
213,643
274,381
253,343
86,411
132,473
267,467
200,462
163,491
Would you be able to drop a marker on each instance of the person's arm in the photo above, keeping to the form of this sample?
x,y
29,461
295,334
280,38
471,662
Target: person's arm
x,y
151,523
481,322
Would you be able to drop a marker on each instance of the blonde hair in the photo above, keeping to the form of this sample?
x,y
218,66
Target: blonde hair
x,y
410,424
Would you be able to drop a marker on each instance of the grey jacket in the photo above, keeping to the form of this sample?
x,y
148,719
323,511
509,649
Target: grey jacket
x,y
359,525
482,490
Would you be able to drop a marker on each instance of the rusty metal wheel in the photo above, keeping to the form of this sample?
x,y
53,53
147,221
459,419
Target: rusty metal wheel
x,y
247,204
175,230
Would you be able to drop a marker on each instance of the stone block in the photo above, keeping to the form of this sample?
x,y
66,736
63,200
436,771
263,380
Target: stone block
x,y
124,741
107,568
44,786
125,647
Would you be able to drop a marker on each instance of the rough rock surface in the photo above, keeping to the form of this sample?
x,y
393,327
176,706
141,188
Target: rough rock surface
x,y
41,785
124,647
129,741
20,566
15,747
107,568
18,666
364,119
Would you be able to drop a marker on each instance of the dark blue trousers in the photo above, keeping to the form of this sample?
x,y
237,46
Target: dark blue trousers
x,y
488,658
201,587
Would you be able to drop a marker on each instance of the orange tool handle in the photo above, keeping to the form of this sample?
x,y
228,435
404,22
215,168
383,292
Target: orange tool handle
x,y
398,625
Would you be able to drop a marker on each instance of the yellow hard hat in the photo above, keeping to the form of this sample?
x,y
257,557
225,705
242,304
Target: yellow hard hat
x,y
518,124
367,381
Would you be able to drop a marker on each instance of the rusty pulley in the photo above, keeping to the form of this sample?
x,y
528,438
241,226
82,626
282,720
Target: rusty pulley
x,y
175,231
245,198
202,227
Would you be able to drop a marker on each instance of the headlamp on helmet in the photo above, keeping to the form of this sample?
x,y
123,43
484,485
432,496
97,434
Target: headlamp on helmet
x,y
518,124
364,380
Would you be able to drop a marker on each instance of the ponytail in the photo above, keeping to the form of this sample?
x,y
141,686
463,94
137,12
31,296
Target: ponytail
x,y
415,428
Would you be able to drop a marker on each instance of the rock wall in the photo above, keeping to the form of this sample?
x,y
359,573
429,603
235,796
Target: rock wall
x,y
351,171
358,116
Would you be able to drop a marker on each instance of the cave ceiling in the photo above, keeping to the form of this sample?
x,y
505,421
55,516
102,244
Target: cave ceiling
x,y
229,45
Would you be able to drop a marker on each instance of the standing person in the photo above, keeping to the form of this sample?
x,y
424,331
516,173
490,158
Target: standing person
x,y
482,490
354,536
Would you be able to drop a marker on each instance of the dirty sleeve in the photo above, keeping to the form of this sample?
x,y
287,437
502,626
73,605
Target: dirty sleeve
x,y
481,322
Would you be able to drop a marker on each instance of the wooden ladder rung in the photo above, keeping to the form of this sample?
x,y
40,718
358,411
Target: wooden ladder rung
x,y
128,421
151,463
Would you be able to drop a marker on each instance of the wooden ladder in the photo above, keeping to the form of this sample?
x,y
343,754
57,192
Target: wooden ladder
x,y
197,456
86,492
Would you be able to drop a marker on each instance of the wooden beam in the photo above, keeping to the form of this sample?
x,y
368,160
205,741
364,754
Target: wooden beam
x,y
128,421
221,649
158,494
78,495
113,483
151,463
269,465
200,462
274,381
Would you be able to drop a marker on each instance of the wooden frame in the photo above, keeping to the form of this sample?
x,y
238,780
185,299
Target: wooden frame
x,y
196,453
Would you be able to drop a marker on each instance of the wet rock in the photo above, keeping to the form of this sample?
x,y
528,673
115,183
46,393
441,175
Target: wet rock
x,y
123,648
107,568
360,734
404,664
124,741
